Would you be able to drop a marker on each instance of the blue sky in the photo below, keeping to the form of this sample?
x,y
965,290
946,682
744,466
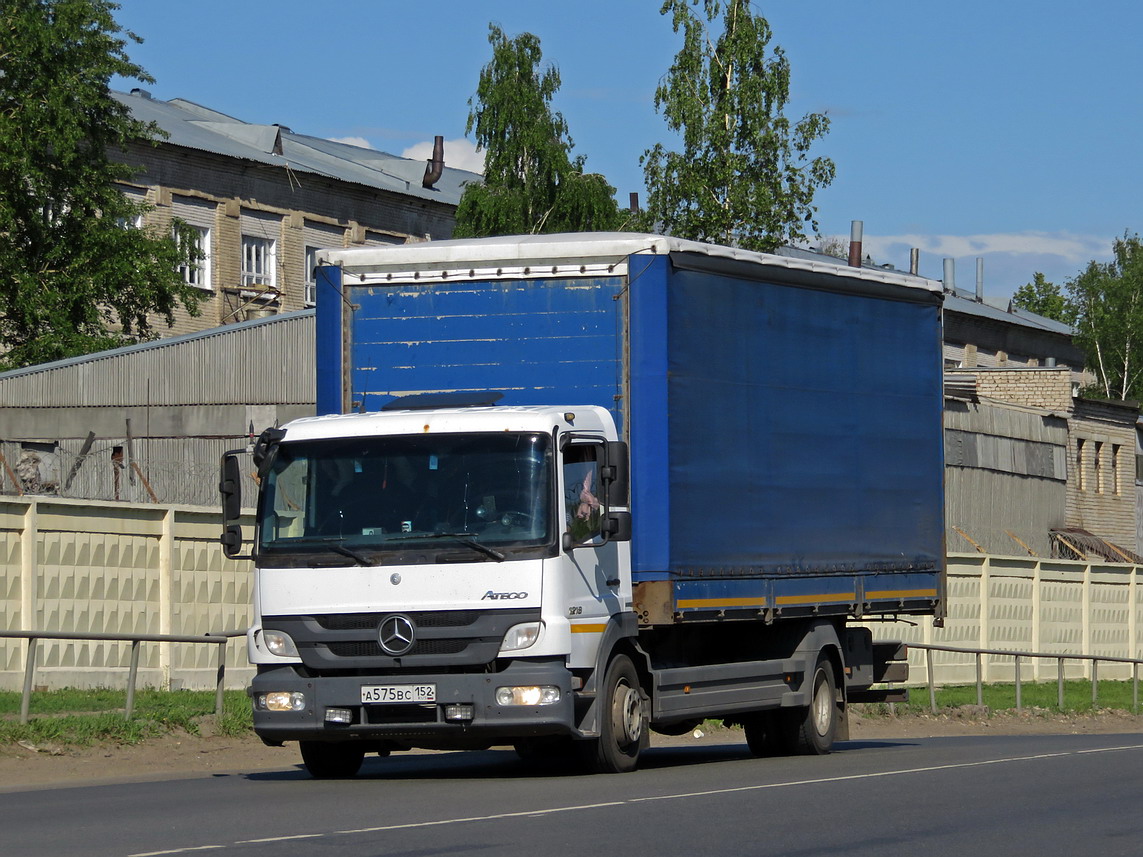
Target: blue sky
x,y
1007,130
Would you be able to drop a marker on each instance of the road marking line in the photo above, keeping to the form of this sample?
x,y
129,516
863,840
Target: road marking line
x,y
280,838
179,850
531,813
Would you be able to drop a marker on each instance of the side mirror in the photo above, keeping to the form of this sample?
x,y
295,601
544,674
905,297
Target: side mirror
x,y
616,473
231,539
617,527
230,487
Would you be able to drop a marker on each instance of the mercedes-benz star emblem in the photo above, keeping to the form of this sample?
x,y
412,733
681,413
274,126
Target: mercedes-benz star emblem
x,y
396,635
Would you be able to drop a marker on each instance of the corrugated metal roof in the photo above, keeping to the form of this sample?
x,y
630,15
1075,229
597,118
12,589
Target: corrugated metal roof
x,y
196,127
966,303
269,360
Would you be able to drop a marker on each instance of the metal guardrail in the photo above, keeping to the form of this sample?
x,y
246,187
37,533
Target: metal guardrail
x,y
219,639
1018,655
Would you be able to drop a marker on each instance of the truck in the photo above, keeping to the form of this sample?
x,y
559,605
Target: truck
x,y
567,490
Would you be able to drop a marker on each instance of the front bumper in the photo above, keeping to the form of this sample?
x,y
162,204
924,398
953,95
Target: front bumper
x,y
410,725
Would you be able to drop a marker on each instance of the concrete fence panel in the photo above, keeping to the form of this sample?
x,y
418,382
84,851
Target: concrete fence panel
x,y
1030,605
118,568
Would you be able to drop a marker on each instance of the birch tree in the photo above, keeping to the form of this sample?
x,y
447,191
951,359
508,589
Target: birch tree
x,y
1106,301
532,183
744,175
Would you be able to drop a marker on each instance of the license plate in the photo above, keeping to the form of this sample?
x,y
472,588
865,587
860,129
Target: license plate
x,y
388,694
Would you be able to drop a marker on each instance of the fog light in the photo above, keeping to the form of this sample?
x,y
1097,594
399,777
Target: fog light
x,y
460,711
280,700
529,695
338,715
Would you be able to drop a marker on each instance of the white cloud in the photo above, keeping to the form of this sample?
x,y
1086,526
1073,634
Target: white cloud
x,y
1072,248
460,154
360,142
1010,258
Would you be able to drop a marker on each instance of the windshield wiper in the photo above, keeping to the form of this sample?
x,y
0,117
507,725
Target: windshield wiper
x,y
337,546
466,539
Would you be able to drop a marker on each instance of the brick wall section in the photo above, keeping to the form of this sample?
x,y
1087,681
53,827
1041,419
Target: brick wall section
x,y
1101,472
1048,389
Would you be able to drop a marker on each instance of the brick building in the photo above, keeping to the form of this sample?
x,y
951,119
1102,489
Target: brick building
x,y
262,199
1031,464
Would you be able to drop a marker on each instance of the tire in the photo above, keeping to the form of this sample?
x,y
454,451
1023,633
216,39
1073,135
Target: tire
x,y
810,731
623,728
762,733
332,760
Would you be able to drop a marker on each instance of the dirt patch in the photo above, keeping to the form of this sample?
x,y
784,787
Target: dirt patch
x,y
181,755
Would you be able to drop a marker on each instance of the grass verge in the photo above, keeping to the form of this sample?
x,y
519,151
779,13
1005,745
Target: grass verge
x,y
84,717
1040,696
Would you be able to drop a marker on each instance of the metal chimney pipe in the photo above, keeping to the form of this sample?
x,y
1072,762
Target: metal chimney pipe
x,y
633,203
950,275
855,229
979,280
434,169
915,261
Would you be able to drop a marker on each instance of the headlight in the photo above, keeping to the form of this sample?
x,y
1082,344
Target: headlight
x,y
521,636
280,700
528,695
280,644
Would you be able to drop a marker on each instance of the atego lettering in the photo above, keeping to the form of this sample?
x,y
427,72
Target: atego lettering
x,y
503,596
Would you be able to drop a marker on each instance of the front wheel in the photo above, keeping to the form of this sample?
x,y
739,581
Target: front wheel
x,y
623,729
332,760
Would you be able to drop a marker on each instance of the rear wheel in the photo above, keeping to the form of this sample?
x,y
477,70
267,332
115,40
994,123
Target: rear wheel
x,y
332,760
810,731
762,733
623,730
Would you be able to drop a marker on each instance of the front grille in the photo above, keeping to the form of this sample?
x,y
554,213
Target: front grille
x,y
367,621
367,649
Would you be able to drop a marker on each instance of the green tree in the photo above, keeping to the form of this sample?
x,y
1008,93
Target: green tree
x,y
1106,300
1044,298
744,176
75,275
532,184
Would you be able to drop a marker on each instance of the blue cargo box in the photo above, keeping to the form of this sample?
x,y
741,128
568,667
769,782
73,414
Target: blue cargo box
x,y
784,415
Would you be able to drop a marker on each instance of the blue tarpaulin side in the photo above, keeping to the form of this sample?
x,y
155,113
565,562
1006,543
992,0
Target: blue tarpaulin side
x,y
805,429
540,342
328,339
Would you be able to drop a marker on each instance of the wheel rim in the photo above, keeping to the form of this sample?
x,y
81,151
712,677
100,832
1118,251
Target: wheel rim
x,y
627,714
822,705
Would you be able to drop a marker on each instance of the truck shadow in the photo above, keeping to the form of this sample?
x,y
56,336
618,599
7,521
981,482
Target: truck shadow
x,y
503,763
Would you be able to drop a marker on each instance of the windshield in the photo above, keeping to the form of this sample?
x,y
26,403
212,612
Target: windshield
x,y
356,496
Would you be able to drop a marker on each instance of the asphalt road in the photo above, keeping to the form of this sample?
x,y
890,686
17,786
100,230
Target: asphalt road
x,y
1036,795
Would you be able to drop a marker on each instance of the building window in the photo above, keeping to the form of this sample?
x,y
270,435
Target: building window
x,y
310,278
1097,467
257,261
198,273
1080,484
1116,462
